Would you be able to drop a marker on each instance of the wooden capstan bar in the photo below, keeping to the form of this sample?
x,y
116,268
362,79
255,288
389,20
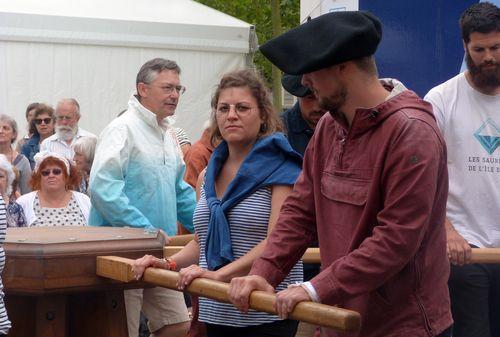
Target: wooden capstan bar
x,y
312,255
120,269
50,281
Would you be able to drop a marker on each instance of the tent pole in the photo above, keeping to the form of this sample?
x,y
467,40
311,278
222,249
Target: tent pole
x,y
276,73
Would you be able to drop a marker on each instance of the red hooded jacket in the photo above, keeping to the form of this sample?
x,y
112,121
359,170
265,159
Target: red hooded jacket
x,y
375,193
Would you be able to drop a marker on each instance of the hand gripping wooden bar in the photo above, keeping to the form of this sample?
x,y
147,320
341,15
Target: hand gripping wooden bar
x,y
120,269
479,255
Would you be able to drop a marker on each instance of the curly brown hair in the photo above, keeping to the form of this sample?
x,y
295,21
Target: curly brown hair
x,y
246,79
72,181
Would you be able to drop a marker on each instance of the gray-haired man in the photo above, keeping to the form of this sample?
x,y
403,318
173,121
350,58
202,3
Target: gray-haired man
x,y
67,115
137,180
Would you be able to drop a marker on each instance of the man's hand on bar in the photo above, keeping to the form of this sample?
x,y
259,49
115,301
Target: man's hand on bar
x,y
288,298
241,288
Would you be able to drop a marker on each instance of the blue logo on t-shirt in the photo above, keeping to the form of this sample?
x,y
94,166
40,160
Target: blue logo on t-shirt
x,y
488,135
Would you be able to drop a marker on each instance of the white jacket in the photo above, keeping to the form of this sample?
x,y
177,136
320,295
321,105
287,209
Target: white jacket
x,y
27,201
137,178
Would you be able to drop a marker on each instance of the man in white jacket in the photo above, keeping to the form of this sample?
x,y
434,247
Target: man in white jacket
x,y
137,181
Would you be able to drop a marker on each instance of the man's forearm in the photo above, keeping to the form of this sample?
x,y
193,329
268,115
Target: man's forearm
x,y
448,225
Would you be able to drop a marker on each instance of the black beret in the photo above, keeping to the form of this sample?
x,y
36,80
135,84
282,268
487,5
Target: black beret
x,y
327,40
292,84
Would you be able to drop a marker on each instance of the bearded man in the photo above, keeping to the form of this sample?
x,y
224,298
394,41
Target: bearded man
x,y
67,115
373,189
467,108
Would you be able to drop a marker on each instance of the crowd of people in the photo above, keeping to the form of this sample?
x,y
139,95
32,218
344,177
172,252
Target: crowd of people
x,y
43,181
395,190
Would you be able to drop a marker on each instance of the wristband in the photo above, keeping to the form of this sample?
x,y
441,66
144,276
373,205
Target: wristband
x,y
171,264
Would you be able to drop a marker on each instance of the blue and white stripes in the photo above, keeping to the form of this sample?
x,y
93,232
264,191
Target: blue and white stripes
x,y
248,224
4,320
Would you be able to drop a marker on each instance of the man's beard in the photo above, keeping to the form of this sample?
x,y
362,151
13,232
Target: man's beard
x,y
334,102
65,132
483,78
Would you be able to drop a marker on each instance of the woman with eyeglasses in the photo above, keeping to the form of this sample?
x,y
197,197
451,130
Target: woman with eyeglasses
x,y
8,135
53,202
41,127
240,194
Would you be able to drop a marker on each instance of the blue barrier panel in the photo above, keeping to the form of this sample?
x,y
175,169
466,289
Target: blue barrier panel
x,y
421,44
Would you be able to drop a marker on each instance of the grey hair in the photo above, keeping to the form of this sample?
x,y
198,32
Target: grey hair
x,y
71,101
86,146
13,125
7,167
152,68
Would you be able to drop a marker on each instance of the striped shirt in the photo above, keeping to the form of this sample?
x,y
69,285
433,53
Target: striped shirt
x,y
4,320
182,137
248,225
57,145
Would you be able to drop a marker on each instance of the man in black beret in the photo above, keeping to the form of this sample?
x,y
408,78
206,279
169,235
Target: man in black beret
x,y
373,189
300,121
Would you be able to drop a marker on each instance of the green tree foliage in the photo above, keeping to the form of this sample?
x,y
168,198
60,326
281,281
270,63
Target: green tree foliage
x,y
258,13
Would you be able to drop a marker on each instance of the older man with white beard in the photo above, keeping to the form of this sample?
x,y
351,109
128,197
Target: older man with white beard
x,y
67,115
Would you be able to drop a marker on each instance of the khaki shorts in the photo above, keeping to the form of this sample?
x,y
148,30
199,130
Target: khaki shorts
x,y
160,305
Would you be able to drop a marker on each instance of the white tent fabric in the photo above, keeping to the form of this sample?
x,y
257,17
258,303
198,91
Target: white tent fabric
x,y
92,50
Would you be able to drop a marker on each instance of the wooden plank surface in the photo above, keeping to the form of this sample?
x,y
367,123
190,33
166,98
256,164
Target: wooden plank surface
x,y
43,260
72,234
118,268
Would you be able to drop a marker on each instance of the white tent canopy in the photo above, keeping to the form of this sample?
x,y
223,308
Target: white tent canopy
x,y
92,50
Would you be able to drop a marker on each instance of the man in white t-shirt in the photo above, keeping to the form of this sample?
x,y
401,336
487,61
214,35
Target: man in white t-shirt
x,y
467,108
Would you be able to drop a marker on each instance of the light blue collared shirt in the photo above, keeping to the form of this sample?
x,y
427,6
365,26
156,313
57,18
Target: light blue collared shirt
x,y
137,175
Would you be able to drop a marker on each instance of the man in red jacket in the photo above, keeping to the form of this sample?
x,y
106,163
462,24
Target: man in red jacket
x,y
373,189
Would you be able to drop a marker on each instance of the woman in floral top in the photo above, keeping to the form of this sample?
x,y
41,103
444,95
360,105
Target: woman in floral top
x,y
53,203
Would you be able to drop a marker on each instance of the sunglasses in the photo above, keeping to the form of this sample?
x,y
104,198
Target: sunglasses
x,y
39,121
55,172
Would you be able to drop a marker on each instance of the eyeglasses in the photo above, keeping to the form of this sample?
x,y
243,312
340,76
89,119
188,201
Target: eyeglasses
x,y
241,109
168,89
39,121
55,172
64,118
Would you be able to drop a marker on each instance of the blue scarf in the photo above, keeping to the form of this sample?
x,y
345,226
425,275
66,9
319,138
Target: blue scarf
x,y
271,161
